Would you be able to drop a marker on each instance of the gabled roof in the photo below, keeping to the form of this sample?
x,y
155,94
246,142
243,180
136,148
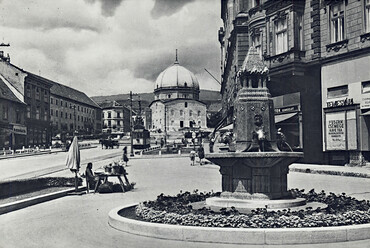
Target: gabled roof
x,y
67,92
6,93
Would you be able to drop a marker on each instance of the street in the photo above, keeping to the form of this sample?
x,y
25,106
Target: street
x,y
82,221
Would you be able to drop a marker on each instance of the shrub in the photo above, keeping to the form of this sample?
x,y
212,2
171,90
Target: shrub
x,y
341,210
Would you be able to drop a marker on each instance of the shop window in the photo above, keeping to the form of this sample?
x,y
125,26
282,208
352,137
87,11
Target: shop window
x,y
367,16
337,22
281,37
338,91
366,87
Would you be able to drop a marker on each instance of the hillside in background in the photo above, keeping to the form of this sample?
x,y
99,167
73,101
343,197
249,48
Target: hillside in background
x,y
209,97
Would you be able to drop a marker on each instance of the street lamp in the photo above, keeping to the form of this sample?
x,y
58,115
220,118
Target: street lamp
x,y
131,128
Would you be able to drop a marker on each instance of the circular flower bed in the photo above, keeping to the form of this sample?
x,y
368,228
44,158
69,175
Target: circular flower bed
x,y
342,210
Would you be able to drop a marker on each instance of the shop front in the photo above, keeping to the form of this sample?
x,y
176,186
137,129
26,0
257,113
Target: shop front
x,y
13,136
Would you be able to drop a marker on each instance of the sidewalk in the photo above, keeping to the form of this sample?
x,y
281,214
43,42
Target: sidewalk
x,y
363,172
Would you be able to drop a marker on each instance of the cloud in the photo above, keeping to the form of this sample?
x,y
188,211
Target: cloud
x,y
108,7
167,7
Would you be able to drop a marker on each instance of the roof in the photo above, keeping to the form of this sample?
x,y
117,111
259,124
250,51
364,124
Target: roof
x,y
110,104
67,92
176,76
6,93
253,63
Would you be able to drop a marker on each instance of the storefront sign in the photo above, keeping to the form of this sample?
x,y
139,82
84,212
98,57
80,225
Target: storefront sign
x,y
340,103
335,131
365,101
18,129
286,109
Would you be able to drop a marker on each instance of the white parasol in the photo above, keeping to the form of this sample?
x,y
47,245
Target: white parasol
x,y
73,159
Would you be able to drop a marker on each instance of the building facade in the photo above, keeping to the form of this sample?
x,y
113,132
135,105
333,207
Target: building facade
x,y
72,110
13,131
116,118
287,36
345,55
176,102
318,53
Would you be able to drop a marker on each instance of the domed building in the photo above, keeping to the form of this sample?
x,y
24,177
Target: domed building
x,y
176,102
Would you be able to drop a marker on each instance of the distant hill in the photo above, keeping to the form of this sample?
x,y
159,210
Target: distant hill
x,y
207,96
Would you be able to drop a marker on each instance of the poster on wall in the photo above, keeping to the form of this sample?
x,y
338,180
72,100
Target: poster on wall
x,y
335,131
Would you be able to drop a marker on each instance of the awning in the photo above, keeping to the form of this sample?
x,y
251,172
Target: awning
x,y
283,117
367,113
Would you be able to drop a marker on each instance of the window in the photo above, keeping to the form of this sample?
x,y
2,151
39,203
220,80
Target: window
x,y
255,3
56,113
61,114
118,114
18,116
45,114
51,112
5,112
337,22
28,112
199,123
37,93
256,41
61,103
367,16
181,123
51,100
78,108
338,91
118,123
109,115
78,118
169,96
199,113
70,116
366,87
186,104
46,96
281,37
38,113
190,113
66,116
181,113
300,31
56,101
172,122
28,91
172,112
66,105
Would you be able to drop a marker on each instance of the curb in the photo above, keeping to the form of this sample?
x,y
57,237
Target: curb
x,y
12,206
331,172
252,236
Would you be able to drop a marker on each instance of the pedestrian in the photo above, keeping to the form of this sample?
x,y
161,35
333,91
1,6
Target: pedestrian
x,y
90,177
200,154
211,144
125,158
192,157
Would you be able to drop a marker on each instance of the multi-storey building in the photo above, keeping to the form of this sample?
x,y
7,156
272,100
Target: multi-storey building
x,y
345,57
34,91
318,53
285,35
72,110
13,130
116,118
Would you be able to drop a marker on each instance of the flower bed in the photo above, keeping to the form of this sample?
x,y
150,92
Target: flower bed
x,y
342,210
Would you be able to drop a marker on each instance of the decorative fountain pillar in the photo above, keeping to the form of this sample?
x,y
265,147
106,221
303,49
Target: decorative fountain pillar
x,y
255,174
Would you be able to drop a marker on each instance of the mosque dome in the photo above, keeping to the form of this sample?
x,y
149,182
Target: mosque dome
x,y
176,76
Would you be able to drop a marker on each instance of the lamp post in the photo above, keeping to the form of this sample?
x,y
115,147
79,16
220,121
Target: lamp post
x,y
131,127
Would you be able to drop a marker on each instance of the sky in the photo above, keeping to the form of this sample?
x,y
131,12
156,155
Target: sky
x,y
106,47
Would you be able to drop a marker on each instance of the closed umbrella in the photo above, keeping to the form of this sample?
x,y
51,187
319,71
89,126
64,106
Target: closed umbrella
x,y
73,159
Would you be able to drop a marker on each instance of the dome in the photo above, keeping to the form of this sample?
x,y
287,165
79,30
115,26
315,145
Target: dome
x,y
176,76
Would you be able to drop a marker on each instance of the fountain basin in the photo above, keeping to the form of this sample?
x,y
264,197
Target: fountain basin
x,y
120,220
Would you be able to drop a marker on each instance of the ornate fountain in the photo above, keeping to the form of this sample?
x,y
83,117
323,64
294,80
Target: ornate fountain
x,y
254,172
